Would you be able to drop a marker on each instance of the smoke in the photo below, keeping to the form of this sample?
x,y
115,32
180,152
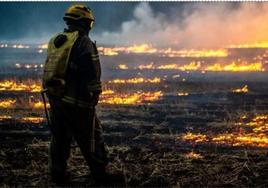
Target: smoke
x,y
207,25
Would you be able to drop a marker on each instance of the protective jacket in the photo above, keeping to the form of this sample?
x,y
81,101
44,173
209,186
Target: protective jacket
x,y
76,78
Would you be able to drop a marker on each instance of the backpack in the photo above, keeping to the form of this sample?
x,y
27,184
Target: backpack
x,y
55,68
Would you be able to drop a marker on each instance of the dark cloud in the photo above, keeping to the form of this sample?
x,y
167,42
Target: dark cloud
x,y
37,21
167,24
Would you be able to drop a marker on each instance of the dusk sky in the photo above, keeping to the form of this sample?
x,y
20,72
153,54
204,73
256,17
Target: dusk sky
x,y
162,24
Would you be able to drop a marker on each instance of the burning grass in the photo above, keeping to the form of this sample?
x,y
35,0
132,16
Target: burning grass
x,y
7,103
32,86
32,119
5,117
193,155
216,67
135,81
136,98
168,52
236,67
241,90
252,133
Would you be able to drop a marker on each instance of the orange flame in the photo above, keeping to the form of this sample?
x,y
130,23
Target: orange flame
x,y
135,81
217,67
136,98
39,105
256,136
32,119
7,103
192,137
122,66
107,92
241,90
253,45
11,85
5,117
235,67
193,155
149,49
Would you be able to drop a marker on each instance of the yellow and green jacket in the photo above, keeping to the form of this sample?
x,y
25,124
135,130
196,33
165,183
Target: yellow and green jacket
x,y
83,72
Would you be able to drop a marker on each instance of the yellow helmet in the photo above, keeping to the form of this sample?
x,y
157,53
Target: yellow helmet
x,y
77,12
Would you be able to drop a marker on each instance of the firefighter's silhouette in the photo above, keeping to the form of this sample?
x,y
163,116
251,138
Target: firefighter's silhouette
x,y
72,79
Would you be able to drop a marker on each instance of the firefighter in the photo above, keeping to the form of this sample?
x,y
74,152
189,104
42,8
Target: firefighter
x,y
72,79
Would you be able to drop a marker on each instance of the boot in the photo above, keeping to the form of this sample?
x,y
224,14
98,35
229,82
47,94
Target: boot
x,y
101,177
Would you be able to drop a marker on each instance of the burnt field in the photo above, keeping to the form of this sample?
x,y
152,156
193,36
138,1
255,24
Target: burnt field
x,y
204,130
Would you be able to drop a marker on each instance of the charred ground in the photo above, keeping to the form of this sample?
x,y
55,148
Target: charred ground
x,y
146,141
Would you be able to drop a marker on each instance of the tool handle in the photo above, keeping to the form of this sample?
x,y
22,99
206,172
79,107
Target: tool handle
x,y
92,142
45,105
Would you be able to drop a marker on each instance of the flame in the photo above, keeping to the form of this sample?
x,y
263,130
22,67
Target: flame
x,y
142,48
136,98
241,90
23,119
252,133
193,155
39,105
11,85
107,92
149,66
32,119
193,66
108,51
251,139
254,45
149,49
195,53
169,66
122,66
5,117
235,67
196,138
259,124
7,103
217,67
135,81
183,94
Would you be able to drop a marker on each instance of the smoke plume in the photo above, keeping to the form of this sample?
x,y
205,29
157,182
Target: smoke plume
x,y
208,25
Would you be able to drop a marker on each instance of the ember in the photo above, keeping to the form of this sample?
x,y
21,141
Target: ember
x,y
193,155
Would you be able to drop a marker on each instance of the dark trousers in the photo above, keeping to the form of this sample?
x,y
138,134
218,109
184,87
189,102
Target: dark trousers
x,y
70,122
